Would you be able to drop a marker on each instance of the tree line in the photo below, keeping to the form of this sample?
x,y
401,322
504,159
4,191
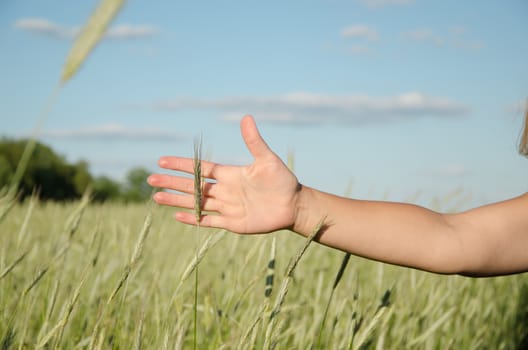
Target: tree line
x,y
51,177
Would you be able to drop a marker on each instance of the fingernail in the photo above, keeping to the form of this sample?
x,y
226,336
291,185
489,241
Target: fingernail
x,y
151,180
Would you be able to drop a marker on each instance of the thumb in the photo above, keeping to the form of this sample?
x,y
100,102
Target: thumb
x,y
254,142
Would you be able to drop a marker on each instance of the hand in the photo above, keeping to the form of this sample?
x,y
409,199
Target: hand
x,y
256,198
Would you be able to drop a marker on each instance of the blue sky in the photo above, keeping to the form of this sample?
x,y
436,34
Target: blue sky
x,y
396,97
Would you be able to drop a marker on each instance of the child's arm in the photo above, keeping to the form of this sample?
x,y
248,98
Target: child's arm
x,y
265,196
490,240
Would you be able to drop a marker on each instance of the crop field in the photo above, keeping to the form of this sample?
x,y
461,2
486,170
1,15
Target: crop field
x,y
87,275
82,275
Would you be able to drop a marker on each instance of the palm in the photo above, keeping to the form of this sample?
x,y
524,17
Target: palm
x,y
261,198
257,198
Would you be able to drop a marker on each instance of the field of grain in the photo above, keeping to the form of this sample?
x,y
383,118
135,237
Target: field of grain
x,y
99,276
83,275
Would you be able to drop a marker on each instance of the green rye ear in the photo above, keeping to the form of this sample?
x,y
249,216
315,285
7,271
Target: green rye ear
x,y
198,179
90,35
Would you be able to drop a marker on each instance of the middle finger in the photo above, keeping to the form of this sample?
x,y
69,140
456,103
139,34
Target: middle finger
x,y
180,184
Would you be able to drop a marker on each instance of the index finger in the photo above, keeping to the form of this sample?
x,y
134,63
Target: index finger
x,y
209,170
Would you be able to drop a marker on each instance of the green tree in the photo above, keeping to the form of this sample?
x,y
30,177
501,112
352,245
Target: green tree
x,y
47,172
136,188
82,177
52,177
106,189
5,170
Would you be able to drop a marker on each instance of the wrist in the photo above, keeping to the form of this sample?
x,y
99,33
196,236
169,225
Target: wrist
x,y
305,214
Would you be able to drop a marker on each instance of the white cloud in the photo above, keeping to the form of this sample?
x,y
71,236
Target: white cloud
x,y
44,26
360,50
473,45
455,38
424,35
360,31
457,30
127,31
383,3
307,108
448,170
112,132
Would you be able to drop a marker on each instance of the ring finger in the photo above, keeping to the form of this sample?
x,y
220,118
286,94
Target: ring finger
x,y
180,184
185,201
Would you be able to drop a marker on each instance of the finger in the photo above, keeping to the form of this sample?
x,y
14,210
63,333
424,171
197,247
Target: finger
x,y
178,183
185,201
254,141
216,221
186,165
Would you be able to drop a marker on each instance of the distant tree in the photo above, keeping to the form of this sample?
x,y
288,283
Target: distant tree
x,y
106,189
52,177
136,188
82,178
47,172
5,170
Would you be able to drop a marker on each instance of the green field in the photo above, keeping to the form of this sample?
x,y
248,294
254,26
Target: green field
x,y
61,268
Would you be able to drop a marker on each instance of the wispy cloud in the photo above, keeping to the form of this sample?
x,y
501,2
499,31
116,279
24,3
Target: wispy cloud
x,y
383,3
112,132
473,45
128,31
455,37
42,26
360,50
360,31
45,27
448,170
308,108
424,35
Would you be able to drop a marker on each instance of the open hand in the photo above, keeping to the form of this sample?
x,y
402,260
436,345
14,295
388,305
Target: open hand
x,y
256,198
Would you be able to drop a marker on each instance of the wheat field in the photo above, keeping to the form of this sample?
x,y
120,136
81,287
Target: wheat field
x,y
114,276
82,275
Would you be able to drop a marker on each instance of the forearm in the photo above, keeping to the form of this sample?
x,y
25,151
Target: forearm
x,y
396,233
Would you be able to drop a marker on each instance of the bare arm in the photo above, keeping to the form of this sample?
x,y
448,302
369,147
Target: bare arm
x,y
489,240
265,196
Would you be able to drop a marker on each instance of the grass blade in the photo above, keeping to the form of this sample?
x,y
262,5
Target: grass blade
x,y
285,284
90,35
59,327
135,256
378,315
198,179
13,264
270,276
198,199
427,334
344,263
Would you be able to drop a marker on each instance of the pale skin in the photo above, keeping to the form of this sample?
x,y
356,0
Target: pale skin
x,y
266,196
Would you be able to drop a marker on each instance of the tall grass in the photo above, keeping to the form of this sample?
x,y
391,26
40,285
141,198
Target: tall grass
x,y
198,202
90,35
281,297
37,294
78,276
339,275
